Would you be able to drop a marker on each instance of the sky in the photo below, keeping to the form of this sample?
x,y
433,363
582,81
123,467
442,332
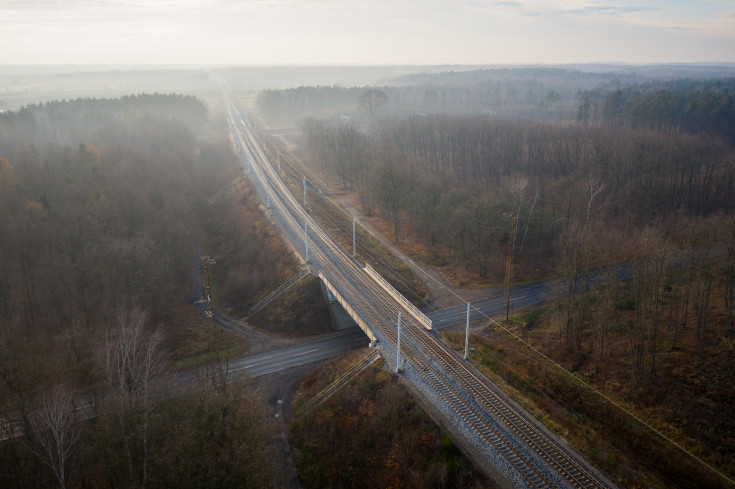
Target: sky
x,y
365,32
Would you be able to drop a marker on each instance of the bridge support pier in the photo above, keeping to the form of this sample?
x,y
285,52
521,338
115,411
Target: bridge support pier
x,y
334,292
330,296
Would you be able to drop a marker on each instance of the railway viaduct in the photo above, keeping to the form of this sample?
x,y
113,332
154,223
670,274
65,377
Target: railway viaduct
x,y
512,446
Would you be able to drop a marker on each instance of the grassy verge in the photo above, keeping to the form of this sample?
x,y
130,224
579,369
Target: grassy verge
x,y
199,342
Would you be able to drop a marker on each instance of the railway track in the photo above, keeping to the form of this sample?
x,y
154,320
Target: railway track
x,y
529,456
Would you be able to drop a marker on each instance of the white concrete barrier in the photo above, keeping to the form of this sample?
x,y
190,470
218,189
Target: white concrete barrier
x,y
420,316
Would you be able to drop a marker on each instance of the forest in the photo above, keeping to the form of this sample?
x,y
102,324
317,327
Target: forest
x,y
107,207
449,180
579,194
637,175
693,99
580,197
693,109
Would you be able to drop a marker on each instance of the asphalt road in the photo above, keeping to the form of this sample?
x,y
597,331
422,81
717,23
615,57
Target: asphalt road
x,y
353,338
323,348
520,297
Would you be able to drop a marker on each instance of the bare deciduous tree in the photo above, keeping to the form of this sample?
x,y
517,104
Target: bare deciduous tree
x,y
730,274
390,192
575,248
54,428
217,370
370,101
703,285
131,362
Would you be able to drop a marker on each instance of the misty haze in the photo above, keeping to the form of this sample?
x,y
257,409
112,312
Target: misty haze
x,y
300,244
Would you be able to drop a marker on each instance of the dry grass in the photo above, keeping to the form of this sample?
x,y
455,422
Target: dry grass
x,y
196,341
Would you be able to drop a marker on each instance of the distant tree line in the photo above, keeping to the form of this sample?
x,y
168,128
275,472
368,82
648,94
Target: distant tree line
x,y
319,101
706,111
528,99
549,75
546,94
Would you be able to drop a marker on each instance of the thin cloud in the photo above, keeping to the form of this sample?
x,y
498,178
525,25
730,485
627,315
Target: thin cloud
x,y
609,10
333,31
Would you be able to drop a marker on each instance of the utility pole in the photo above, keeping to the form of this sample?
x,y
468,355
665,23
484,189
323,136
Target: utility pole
x,y
304,190
467,333
267,194
306,240
398,355
509,261
353,237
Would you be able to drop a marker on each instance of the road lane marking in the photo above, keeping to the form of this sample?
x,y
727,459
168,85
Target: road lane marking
x,y
304,353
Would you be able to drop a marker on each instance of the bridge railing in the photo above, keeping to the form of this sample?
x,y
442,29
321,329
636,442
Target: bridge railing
x,y
413,310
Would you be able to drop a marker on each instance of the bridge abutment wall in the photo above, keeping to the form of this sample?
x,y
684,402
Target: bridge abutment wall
x,y
363,326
